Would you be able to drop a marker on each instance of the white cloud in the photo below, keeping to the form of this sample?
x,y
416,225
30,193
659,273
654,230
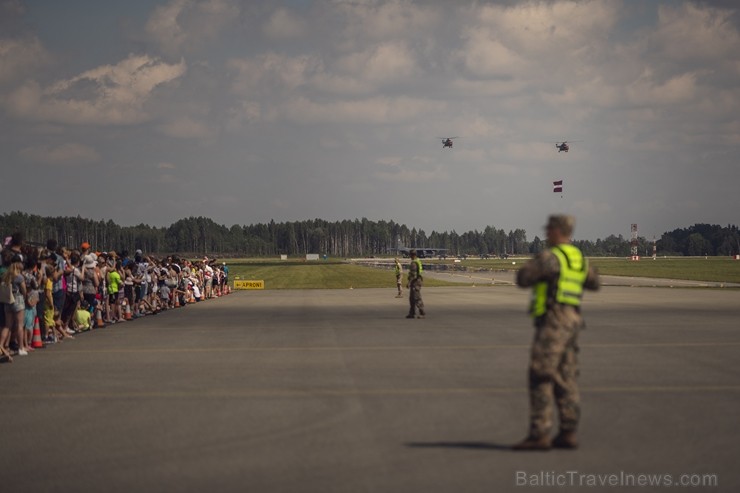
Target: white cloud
x,y
376,110
270,73
646,91
186,128
689,32
20,56
284,24
109,94
163,25
394,19
526,39
242,113
181,25
386,62
65,154
486,57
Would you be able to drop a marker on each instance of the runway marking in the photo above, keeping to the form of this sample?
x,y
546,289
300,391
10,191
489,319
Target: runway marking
x,y
390,348
302,393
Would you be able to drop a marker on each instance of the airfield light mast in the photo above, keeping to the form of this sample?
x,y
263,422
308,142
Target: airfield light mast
x,y
655,248
634,243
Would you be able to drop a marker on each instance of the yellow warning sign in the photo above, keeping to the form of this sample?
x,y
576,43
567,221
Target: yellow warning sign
x,y
249,284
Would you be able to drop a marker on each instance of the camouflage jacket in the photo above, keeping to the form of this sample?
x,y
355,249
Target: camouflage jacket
x,y
545,267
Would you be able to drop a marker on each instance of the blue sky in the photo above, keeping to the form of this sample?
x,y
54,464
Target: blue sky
x,y
151,111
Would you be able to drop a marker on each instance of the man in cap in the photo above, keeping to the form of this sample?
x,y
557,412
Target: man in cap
x,y
557,276
414,286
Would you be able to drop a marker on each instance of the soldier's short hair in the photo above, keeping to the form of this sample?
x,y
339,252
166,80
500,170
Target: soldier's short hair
x,y
412,252
562,222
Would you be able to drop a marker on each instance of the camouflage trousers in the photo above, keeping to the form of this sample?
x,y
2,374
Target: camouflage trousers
x,y
415,300
553,370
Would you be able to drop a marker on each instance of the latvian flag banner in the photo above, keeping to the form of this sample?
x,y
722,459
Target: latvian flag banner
x,y
557,186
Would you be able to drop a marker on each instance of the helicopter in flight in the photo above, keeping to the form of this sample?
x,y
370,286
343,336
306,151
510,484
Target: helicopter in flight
x,y
447,141
563,146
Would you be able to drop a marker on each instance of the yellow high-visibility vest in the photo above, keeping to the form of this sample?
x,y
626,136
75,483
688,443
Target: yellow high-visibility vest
x,y
573,273
419,271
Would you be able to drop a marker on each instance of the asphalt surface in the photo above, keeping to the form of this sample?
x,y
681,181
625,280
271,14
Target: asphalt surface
x,y
506,277
335,391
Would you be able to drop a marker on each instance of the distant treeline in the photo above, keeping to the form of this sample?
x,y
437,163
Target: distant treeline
x,y
360,237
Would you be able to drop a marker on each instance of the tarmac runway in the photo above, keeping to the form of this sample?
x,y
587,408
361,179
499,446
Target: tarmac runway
x,y
335,391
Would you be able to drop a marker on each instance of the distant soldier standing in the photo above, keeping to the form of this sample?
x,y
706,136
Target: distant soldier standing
x,y
558,276
399,278
414,286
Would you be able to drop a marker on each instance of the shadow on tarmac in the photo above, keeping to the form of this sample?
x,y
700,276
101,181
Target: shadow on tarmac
x,y
462,445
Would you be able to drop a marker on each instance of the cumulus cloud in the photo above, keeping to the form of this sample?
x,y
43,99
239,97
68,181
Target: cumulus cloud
x,y
374,21
181,25
713,37
65,154
376,110
270,72
109,94
384,63
363,88
646,91
284,24
186,128
18,57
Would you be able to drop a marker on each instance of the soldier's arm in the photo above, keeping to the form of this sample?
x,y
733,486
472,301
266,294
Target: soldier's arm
x,y
593,282
540,268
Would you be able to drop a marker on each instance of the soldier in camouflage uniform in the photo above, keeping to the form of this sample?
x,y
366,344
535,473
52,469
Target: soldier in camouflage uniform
x,y
399,278
414,286
558,276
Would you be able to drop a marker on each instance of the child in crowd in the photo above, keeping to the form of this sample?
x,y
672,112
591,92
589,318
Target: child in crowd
x,y
164,296
82,317
49,304
59,332
196,291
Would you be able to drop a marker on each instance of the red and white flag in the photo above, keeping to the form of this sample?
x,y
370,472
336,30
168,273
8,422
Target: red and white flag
x,y
557,186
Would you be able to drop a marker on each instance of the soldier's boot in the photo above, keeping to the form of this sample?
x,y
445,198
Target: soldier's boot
x,y
533,443
422,314
566,439
410,315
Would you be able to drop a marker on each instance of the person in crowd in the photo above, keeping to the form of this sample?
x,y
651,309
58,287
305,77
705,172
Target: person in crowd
x,y
115,290
207,272
58,290
72,295
49,322
59,331
15,312
83,318
90,279
32,278
62,289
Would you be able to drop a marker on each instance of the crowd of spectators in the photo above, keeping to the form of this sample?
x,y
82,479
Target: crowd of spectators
x,y
63,291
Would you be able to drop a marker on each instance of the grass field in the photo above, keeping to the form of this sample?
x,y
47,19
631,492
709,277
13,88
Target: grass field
x,y
317,275
717,269
297,274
